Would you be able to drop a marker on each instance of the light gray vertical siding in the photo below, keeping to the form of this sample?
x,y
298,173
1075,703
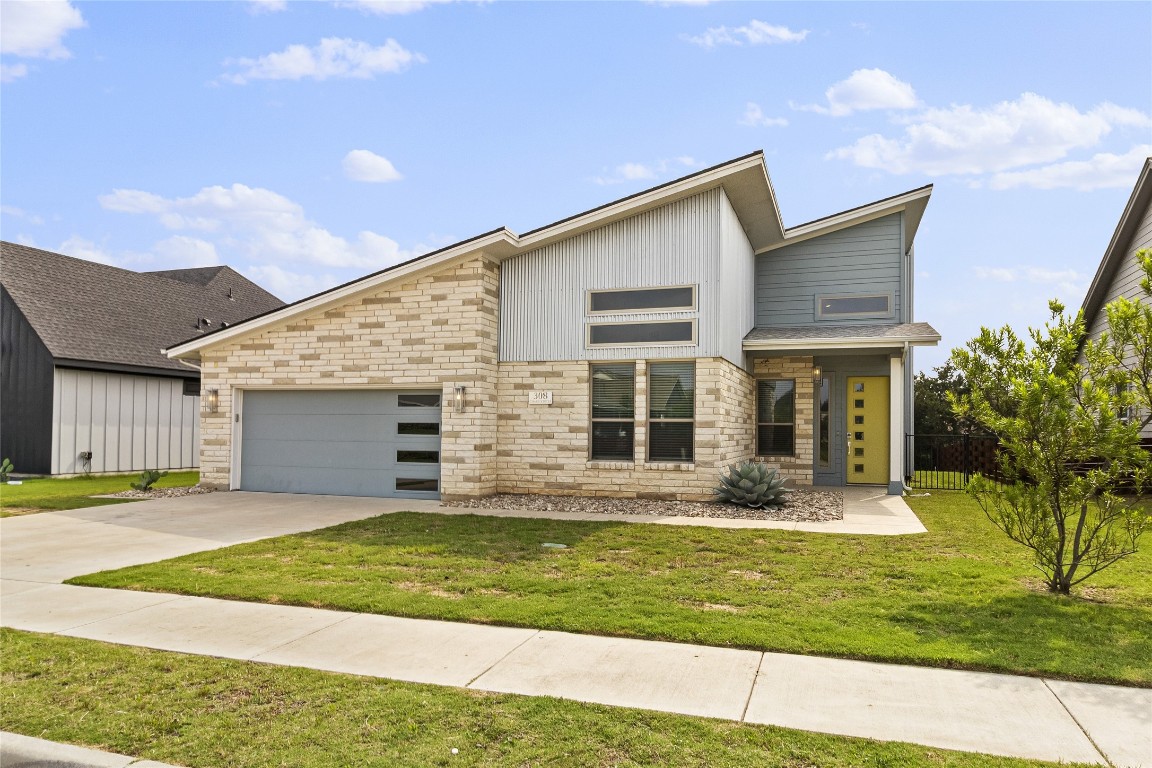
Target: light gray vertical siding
x,y
129,423
736,313
1126,282
543,293
865,258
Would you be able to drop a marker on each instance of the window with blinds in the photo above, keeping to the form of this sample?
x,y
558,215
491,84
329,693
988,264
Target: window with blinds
x,y
613,412
671,411
775,417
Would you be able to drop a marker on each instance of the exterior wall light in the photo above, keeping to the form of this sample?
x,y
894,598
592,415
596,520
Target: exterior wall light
x,y
817,374
211,400
458,397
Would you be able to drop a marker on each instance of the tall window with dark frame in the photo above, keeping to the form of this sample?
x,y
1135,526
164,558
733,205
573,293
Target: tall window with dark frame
x,y
671,411
776,417
613,412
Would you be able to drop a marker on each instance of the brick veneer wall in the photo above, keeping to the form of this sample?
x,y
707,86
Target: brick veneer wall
x,y
435,332
544,448
798,467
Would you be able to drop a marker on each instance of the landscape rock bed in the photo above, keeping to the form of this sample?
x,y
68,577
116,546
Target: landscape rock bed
x,y
804,505
159,493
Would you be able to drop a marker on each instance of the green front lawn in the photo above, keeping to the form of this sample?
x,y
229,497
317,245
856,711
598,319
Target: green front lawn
x,y
961,595
41,493
202,711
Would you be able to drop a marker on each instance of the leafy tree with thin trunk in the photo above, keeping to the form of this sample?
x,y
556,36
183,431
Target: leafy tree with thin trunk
x,y
1068,412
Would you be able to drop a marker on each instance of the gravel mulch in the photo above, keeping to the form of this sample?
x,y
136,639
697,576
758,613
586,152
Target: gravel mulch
x,y
804,505
159,493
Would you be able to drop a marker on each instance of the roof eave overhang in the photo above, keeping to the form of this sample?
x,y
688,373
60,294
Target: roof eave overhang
x,y
791,345
912,203
1138,202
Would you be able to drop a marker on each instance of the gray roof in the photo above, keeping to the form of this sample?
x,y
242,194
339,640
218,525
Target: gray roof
x,y
1138,204
920,333
84,311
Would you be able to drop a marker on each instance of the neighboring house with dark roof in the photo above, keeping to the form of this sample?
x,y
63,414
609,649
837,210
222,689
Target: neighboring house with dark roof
x,y
632,350
85,385
1118,273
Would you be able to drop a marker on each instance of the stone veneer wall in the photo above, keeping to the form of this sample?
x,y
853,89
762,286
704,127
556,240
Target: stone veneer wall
x,y
544,448
798,467
435,332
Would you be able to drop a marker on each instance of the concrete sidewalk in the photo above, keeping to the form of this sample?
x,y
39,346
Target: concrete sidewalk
x,y
998,714
979,712
18,751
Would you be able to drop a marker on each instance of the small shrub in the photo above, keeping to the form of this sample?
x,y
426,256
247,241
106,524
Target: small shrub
x,y
6,469
754,485
147,478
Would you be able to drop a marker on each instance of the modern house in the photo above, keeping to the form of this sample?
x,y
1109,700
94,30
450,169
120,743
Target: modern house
x,y
633,350
84,386
1119,274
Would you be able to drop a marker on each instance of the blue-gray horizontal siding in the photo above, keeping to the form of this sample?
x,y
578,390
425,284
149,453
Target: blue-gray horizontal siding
x,y
543,293
863,259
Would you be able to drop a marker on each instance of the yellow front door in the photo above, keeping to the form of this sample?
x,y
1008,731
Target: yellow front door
x,y
868,430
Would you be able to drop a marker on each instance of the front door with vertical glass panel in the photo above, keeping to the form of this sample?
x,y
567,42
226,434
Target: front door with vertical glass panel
x,y
868,430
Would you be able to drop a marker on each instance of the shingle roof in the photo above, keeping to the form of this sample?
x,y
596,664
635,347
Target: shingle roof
x,y
95,313
898,332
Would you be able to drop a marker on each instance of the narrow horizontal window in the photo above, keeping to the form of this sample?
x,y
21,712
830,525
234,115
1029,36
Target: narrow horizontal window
x,y
876,305
418,457
619,334
417,484
643,300
417,428
671,410
418,401
191,388
613,412
775,417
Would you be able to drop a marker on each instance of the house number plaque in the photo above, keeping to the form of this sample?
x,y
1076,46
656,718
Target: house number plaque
x,y
539,398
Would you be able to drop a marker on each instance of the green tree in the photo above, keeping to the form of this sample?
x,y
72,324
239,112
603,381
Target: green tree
x,y
934,413
1062,407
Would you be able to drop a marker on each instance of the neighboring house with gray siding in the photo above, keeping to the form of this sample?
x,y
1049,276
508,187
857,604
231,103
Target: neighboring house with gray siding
x,y
1118,274
85,387
632,350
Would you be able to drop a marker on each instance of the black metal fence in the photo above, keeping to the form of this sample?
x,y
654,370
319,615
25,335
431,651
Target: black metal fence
x,y
947,462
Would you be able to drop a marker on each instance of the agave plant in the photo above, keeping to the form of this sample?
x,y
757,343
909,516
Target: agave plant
x,y
754,485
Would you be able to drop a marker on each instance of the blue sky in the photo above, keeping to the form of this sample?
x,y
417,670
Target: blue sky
x,y
306,144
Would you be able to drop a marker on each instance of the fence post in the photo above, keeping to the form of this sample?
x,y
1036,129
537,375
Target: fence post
x,y
967,450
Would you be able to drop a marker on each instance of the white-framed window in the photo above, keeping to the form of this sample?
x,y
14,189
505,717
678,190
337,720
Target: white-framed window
x,y
854,305
671,411
775,417
613,429
616,301
642,333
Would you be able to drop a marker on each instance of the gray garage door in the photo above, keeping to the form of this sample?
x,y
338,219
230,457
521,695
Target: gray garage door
x,y
342,442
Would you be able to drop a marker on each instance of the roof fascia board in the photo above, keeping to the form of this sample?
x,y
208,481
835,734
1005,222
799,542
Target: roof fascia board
x,y
642,202
96,365
863,343
322,301
1139,200
914,201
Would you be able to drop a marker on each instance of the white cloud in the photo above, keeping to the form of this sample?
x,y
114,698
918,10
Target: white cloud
x,y
260,225
388,7
753,33
754,115
20,213
36,28
643,171
968,140
362,165
865,89
257,7
181,251
1066,280
333,57
11,72
80,248
288,286
1102,171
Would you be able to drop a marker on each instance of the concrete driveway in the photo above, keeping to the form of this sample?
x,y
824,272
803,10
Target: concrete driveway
x,y
50,547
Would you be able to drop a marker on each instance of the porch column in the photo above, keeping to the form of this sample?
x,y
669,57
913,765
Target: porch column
x,y
896,429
